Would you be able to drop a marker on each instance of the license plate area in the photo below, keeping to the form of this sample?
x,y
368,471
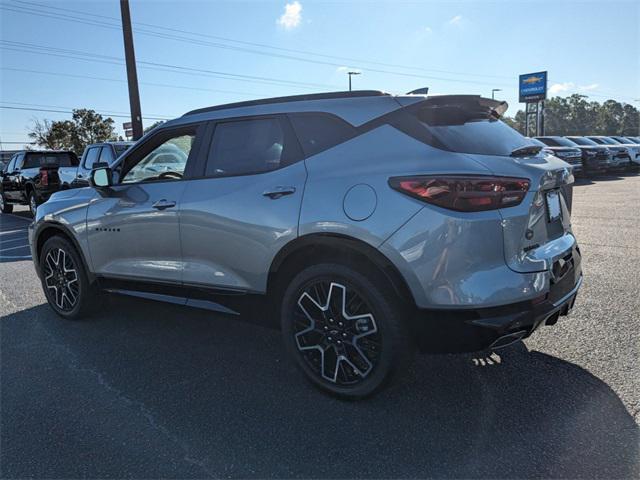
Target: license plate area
x,y
554,211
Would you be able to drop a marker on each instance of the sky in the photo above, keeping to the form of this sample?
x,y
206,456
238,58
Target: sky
x,y
58,55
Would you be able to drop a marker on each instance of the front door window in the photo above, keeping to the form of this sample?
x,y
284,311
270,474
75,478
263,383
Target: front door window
x,y
166,161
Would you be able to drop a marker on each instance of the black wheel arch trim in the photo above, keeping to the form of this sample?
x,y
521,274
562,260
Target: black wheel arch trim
x,y
66,231
338,241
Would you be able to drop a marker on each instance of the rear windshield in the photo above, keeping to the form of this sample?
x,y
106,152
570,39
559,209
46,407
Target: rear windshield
x,y
564,142
583,141
460,130
605,141
37,159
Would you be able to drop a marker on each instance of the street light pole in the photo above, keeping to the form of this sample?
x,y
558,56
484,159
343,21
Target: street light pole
x,y
493,91
132,74
351,73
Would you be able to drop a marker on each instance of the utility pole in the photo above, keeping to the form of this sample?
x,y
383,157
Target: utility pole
x,y
494,90
351,73
132,74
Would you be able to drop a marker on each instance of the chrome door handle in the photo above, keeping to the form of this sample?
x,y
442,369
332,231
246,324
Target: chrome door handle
x,y
163,204
279,192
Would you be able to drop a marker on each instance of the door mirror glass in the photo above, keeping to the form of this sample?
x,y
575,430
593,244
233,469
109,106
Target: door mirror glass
x,y
101,177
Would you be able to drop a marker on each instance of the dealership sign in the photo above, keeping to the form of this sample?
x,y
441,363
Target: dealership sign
x,y
533,87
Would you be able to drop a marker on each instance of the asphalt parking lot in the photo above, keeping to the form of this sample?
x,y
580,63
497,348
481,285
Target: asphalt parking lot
x,y
152,390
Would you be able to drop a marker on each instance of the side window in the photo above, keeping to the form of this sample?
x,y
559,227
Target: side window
x,y
246,146
92,157
163,158
12,164
19,162
106,155
318,132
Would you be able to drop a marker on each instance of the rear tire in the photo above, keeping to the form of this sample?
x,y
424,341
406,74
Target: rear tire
x,y
33,203
4,206
346,331
64,279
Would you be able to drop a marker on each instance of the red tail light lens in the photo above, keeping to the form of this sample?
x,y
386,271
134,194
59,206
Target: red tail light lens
x,y
44,177
464,193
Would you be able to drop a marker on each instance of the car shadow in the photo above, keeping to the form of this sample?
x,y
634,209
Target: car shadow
x,y
225,390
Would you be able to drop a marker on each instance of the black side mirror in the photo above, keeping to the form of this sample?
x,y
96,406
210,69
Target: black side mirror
x,y
101,175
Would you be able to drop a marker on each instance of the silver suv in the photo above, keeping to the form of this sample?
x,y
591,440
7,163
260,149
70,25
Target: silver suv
x,y
374,224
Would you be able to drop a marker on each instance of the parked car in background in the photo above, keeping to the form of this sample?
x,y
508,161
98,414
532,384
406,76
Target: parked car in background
x,y
30,178
632,146
78,176
622,152
617,155
373,224
594,159
570,154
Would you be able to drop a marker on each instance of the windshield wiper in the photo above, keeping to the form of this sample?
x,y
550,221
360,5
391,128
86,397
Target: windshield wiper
x,y
526,151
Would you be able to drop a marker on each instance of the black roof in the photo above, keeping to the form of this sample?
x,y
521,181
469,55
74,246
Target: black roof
x,y
291,98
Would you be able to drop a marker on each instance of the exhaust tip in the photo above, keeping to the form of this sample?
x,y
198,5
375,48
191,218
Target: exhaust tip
x,y
506,340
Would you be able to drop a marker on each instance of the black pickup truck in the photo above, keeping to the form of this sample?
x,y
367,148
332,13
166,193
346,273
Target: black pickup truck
x,y
30,178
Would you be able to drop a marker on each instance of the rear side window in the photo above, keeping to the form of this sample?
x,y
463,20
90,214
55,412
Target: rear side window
x,y
466,131
318,132
35,160
120,149
248,146
92,157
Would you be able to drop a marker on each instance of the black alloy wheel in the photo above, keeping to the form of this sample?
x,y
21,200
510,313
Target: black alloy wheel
x,y
345,330
64,279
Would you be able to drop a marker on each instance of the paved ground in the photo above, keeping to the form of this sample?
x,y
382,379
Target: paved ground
x,y
151,390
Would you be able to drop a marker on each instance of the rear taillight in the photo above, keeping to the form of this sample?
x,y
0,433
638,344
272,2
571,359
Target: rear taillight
x,y
44,176
464,193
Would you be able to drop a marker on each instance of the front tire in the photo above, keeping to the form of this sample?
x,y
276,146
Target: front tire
x,y
64,279
4,206
346,331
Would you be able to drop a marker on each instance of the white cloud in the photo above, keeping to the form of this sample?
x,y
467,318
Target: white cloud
x,y
427,30
587,88
457,20
561,87
292,15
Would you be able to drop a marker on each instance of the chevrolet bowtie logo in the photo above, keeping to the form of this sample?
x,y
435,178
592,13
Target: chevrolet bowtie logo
x,y
532,80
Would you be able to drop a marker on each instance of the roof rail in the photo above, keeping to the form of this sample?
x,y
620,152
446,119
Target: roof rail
x,y
291,98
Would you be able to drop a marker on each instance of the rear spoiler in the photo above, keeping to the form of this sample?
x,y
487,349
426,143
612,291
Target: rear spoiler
x,y
493,108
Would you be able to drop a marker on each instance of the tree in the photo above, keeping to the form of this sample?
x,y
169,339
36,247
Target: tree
x,y
52,135
574,115
85,127
153,125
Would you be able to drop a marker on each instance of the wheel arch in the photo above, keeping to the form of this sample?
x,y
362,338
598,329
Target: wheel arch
x,y
51,229
313,248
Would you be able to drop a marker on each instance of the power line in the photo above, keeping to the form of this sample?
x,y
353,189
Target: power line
x,y
66,17
69,111
165,67
166,85
164,28
229,47
156,116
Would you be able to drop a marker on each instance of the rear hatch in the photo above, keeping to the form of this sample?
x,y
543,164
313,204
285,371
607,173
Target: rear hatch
x,y
537,231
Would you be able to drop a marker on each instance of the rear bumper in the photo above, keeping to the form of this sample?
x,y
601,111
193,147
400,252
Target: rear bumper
x,y
468,330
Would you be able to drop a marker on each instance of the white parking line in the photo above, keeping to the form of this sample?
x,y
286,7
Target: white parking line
x,y
13,232
17,257
14,248
4,242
